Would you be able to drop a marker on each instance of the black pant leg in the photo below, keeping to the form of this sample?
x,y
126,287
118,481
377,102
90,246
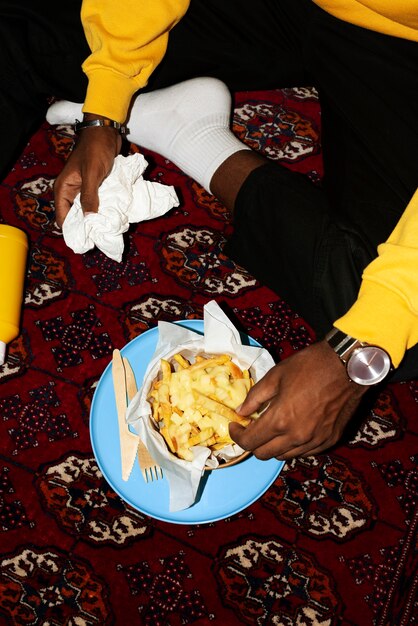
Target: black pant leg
x,y
285,234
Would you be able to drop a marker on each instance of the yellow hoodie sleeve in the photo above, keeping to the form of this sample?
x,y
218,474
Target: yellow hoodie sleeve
x,y
127,40
398,18
386,311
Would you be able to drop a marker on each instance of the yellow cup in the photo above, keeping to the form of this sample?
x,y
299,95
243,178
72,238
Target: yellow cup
x,y
13,256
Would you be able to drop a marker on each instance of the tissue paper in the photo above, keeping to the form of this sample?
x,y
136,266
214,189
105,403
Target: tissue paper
x,y
124,198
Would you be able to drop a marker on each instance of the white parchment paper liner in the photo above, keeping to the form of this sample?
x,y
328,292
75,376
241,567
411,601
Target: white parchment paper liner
x,y
220,337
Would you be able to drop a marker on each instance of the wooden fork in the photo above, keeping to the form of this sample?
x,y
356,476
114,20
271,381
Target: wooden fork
x,y
149,468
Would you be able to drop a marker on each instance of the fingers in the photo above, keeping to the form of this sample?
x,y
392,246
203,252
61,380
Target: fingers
x,y
257,434
285,452
260,395
283,446
285,432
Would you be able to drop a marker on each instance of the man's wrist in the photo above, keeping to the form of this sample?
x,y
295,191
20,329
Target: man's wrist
x,y
365,364
338,367
91,120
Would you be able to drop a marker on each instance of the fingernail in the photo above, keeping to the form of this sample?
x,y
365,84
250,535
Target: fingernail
x,y
264,408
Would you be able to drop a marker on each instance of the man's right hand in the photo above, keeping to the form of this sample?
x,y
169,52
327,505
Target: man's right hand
x,y
310,401
89,164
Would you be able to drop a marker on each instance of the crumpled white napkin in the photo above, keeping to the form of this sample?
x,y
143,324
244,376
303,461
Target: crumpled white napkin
x,y
124,197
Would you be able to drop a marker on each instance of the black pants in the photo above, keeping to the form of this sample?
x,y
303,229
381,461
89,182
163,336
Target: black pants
x,y
309,244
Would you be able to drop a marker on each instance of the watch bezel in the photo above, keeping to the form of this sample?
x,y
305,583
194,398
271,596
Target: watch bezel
x,y
358,352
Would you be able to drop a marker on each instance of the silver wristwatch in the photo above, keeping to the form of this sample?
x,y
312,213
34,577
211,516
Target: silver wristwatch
x,y
365,364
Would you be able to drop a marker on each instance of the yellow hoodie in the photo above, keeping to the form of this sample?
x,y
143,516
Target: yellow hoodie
x,y
127,46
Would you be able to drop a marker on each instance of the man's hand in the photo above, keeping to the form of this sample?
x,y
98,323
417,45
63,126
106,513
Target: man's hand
x,y
89,164
310,401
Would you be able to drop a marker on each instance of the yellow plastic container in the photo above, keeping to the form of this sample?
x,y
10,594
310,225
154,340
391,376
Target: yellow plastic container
x,y
13,257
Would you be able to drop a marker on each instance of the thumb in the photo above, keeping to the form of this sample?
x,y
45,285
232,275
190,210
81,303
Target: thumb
x,y
256,400
262,392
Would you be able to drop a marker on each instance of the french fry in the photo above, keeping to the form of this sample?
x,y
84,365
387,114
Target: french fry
x,y
218,446
167,437
166,371
217,407
184,363
205,363
235,371
155,413
202,437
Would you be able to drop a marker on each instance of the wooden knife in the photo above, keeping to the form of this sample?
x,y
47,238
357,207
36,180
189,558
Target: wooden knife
x,y
128,440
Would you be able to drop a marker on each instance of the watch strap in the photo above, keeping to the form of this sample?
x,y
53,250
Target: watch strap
x,y
342,343
101,123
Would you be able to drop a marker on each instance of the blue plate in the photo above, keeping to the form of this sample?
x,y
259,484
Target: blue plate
x,y
222,492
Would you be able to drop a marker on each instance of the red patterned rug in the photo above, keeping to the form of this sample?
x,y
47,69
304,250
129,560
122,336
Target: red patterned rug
x,y
332,541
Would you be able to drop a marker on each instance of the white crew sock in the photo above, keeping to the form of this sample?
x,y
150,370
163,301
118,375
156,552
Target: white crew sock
x,y
187,123
64,112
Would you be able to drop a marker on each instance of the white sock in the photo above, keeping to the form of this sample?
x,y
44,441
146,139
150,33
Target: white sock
x,y
187,123
64,112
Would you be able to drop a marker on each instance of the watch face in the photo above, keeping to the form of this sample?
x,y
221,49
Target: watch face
x,y
368,365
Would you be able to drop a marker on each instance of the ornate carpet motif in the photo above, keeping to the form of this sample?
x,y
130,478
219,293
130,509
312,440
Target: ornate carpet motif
x,y
47,587
267,581
323,496
331,543
92,511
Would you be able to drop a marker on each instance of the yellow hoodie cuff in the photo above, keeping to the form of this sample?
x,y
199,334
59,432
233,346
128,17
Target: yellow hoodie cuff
x,y
382,318
109,94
